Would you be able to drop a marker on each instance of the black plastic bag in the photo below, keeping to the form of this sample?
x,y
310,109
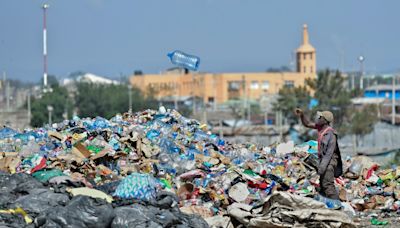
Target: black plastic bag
x,y
81,211
40,200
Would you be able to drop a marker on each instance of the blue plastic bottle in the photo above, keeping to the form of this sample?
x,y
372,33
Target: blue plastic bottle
x,y
330,203
7,132
184,60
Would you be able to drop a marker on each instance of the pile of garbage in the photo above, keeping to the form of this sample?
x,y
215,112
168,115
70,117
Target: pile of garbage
x,y
160,169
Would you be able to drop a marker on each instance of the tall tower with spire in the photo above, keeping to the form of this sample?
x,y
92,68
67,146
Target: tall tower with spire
x,y
306,56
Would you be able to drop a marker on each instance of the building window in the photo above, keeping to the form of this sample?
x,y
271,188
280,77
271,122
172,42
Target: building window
x,y
234,85
210,99
289,84
311,55
304,69
265,85
311,69
304,56
254,85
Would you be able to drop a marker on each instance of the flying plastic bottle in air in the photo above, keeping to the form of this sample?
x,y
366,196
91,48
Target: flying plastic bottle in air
x,y
184,60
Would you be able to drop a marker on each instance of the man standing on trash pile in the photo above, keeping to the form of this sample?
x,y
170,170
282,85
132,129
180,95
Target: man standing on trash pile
x,y
330,161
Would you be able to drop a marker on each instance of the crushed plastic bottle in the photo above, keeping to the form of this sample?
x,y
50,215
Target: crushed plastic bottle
x,y
184,60
100,123
168,146
152,134
330,203
7,132
181,119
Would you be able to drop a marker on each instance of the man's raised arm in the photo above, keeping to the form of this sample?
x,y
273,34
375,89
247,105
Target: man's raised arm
x,y
304,120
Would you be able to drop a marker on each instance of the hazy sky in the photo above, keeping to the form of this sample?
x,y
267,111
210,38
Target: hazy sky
x,y
117,37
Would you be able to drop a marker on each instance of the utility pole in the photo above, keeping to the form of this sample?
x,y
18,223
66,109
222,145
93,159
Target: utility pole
x,y
45,7
29,107
249,112
361,60
177,91
215,93
280,126
130,98
394,100
175,96
193,95
50,111
8,95
244,96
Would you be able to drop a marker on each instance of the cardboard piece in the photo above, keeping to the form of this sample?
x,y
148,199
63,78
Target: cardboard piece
x,y
99,155
55,135
80,150
204,212
5,162
9,161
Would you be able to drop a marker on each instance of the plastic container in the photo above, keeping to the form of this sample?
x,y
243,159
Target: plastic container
x,y
330,203
184,60
7,132
152,134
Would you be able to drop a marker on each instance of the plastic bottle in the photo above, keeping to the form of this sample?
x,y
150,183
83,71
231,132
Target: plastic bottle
x,y
184,60
201,136
100,123
152,134
169,146
178,117
373,191
330,203
7,132
190,154
215,139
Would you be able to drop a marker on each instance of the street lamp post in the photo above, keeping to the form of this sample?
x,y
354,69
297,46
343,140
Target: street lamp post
x,y
361,60
50,110
130,98
29,107
394,100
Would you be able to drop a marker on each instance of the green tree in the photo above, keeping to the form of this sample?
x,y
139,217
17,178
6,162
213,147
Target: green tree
x,y
363,121
58,99
106,100
52,81
329,91
290,98
332,95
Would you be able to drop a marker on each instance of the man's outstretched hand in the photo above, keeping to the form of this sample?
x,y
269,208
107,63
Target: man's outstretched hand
x,y
298,112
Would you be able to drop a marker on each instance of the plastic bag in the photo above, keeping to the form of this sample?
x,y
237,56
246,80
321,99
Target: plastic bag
x,y
137,186
40,200
81,211
45,175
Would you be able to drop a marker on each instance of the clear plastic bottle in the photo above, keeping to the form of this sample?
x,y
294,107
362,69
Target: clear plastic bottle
x,y
184,60
330,203
181,119
201,136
